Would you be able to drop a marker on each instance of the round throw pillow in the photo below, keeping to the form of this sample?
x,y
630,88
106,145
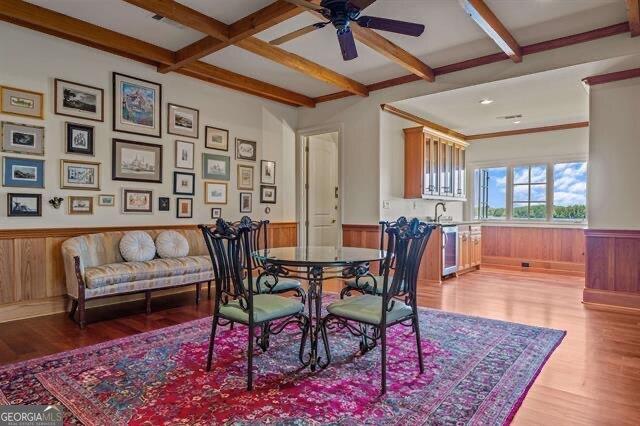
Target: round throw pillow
x,y
172,244
137,246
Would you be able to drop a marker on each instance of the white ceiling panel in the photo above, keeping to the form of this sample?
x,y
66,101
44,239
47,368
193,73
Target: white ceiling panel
x,y
246,63
227,11
124,18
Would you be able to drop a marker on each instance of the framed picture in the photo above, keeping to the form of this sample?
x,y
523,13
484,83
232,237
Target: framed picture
x,y
268,172
185,155
215,193
268,194
215,138
184,183
80,205
106,200
216,212
163,204
78,100
79,175
246,202
136,161
137,201
21,102
24,205
136,106
23,172
216,167
183,121
185,208
22,138
246,150
245,177
79,139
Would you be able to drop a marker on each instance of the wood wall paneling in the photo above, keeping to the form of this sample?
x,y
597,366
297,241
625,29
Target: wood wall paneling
x,y
32,280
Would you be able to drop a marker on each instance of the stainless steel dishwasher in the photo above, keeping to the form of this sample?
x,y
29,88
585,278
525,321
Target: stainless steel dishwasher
x,y
449,249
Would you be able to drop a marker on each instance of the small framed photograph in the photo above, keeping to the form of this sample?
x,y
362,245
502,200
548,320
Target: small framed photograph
x,y
80,205
79,100
183,121
184,183
216,212
215,138
163,204
185,155
268,194
23,172
22,138
24,205
106,200
185,208
136,106
245,177
136,161
215,193
216,167
268,172
79,139
246,202
246,150
79,175
21,102
137,201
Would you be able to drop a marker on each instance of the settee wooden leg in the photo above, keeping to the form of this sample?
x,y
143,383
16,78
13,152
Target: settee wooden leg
x,y
209,290
147,299
74,308
81,313
198,290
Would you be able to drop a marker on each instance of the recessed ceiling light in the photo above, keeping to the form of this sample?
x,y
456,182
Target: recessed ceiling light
x,y
486,101
517,122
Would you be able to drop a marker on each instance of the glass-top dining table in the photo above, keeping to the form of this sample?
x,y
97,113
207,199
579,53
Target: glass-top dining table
x,y
316,265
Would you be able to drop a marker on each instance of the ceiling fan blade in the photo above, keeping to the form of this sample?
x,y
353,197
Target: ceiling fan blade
x,y
385,24
361,4
297,33
347,45
306,4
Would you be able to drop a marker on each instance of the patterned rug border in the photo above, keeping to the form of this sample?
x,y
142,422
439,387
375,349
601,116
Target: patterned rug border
x,y
3,399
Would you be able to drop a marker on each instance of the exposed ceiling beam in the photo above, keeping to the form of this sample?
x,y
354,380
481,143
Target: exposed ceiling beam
x,y
422,121
633,10
529,130
197,21
490,24
248,26
612,76
44,20
556,43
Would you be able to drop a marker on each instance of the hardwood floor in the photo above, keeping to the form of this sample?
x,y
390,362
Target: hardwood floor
x,y
592,378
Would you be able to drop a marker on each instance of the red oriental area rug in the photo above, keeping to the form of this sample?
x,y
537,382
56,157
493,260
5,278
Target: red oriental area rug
x,y
477,372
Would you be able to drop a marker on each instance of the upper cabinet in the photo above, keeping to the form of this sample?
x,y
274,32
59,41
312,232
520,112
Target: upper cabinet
x,y
434,165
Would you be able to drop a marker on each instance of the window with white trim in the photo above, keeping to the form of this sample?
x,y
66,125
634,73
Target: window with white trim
x,y
529,192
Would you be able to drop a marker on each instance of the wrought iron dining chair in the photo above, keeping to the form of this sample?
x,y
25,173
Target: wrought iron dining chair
x,y
368,316
369,283
271,283
235,301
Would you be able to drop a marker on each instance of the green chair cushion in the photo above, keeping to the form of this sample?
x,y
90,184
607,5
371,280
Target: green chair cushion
x,y
284,284
368,309
266,307
366,283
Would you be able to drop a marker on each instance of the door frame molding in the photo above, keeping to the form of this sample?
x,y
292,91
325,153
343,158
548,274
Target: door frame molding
x,y
301,140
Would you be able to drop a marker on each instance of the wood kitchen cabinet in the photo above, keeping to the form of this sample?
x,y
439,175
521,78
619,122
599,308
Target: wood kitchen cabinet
x,y
434,165
469,248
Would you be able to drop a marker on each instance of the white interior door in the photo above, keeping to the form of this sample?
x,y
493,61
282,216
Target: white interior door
x,y
322,190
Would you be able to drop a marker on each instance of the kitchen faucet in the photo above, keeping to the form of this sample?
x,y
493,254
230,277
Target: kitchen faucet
x,y
444,209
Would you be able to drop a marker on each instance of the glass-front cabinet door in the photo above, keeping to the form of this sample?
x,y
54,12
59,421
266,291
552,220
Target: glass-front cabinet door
x,y
427,167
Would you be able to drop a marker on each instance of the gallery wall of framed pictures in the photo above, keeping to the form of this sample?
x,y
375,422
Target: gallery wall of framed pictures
x,y
118,147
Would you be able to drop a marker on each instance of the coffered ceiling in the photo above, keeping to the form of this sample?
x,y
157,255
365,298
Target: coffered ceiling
x,y
311,66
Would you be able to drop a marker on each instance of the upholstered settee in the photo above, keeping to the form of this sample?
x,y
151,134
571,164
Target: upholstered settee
x,y
94,268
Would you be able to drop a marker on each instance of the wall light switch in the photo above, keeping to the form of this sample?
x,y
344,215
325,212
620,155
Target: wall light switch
x,y
386,204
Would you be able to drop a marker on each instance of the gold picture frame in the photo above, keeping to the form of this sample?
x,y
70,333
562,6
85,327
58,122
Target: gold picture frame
x,y
80,205
21,102
222,199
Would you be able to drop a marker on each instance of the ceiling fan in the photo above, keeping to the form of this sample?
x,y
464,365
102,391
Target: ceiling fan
x,y
341,13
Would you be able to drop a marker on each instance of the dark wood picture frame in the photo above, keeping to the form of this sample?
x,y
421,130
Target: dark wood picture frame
x,y
178,201
164,204
114,151
275,194
206,138
113,103
12,195
69,127
216,212
55,102
246,195
125,191
175,183
196,124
